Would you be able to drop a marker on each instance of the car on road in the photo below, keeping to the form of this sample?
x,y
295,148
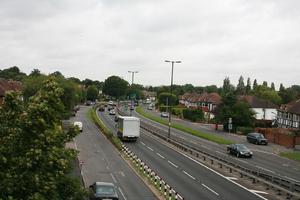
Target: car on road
x,y
79,125
102,191
116,118
164,114
257,138
102,108
112,112
240,150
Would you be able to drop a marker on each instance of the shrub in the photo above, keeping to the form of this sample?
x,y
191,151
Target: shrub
x,y
193,115
244,129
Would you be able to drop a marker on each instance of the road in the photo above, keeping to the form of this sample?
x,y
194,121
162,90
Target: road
x,y
263,159
188,177
102,162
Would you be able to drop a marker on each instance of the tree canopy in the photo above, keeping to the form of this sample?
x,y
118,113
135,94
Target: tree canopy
x,y
115,86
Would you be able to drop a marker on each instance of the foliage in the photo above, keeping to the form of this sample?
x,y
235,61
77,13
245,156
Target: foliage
x,y
33,154
167,99
135,90
244,129
227,87
193,114
240,88
92,93
267,94
291,155
115,86
13,73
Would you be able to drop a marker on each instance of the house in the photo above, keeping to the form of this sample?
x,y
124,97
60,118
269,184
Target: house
x,y
289,115
8,85
264,109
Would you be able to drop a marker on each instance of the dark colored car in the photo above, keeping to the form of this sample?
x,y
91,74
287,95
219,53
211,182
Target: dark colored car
x,y
116,118
103,190
257,138
240,150
101,108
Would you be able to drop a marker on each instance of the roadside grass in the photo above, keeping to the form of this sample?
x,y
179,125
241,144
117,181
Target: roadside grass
x,y
92,115
291,155
180,127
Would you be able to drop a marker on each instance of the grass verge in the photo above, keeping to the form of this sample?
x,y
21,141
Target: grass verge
x,y
93,116
291,155
200,134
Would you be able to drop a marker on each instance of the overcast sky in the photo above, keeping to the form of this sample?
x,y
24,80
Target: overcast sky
x,y
98,38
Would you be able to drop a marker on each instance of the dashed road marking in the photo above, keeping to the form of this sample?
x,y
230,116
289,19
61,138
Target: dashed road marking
x,y
113,177
172,164
232,178
210,189
241,161
150,148
122,193
258,192
220,153
189,175
265,169
160,155
142,143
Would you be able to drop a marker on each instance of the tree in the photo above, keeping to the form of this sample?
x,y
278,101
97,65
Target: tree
x,y
267,94
167,99
254,84
273,86
35,72
240,88
227,87
115,86
13,73
34,160
92,93
248,86
265,83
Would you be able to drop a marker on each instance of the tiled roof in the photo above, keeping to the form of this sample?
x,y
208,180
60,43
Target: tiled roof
x,y
256,102
292,107
204,97
6,85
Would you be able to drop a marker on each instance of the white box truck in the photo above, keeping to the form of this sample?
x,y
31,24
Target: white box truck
x,y
128,128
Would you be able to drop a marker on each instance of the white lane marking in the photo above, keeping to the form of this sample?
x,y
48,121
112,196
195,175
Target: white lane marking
x,y
150,148
113,177
259,192
221,153
75,144
204,146
142,143
122,193
285,165
189,175
172,164
210,189
182,137
265,169
160,155
222,176
261,151
232,178
192,141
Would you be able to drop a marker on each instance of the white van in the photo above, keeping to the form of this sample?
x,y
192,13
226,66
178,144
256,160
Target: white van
x,y
79,125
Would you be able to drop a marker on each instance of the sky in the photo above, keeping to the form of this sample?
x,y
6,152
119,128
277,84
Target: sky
x,y
95,39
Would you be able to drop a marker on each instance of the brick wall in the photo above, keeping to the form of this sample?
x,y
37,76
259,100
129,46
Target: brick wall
x,y
280,136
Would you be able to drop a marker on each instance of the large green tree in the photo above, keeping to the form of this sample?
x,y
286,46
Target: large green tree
x,y
34,160
167,99
92,93
115,86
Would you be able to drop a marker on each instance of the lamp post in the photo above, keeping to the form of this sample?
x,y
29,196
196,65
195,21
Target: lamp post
x,y
132,79
171,89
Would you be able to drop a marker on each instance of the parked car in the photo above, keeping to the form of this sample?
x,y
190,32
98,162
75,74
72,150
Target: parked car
x,y
103,190
257,138
240,150
88,103
116,118
79,125
112,112
101,108
164,114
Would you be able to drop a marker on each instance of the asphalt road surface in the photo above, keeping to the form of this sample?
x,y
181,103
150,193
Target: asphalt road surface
x,y
188,177
102,162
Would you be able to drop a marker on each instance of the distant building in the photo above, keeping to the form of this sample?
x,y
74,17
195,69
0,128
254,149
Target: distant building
x,y
8,85
264,109
289,115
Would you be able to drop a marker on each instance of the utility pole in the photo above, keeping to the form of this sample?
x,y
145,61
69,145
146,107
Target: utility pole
x,y
170,104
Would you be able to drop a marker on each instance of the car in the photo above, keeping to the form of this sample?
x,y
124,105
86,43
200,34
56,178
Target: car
x,y
79,125
150,108
240,150
112,112
257,138
116,118
101,108
103,190
111,103
88,103
164,114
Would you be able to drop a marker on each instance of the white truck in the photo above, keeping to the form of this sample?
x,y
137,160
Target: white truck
x,y
128,128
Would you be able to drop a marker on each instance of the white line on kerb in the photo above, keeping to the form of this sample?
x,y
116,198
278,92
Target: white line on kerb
x,y
189,175
265,169
122,193
160,155
150,148
259,192
172,164
209,189
232,178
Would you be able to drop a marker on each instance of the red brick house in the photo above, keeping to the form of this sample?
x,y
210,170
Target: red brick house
x,y
8,85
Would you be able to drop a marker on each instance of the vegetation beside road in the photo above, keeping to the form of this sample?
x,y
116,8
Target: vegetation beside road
x,y
200,134
291,155
93,116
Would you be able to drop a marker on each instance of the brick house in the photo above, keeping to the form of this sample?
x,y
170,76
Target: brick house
x,y
289,115
8,85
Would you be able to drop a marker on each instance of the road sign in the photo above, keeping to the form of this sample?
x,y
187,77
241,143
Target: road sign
x,y
230,126
230,120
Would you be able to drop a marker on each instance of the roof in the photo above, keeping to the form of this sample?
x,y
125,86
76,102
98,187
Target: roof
x,y
256,102
104,183
292,107
9,85
203,97
129,118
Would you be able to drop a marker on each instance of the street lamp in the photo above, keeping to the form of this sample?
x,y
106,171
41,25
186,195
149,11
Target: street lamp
x,y
132,78
170,104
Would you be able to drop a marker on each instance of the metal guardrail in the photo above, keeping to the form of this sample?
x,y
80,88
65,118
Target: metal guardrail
x,y
280,184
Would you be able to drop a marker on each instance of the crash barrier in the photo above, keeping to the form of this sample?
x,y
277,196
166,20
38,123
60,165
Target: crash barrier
x,y
281,185
152,176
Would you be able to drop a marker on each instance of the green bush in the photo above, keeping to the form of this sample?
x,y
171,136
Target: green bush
x,y
193,115
177,111
244,129
163,108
